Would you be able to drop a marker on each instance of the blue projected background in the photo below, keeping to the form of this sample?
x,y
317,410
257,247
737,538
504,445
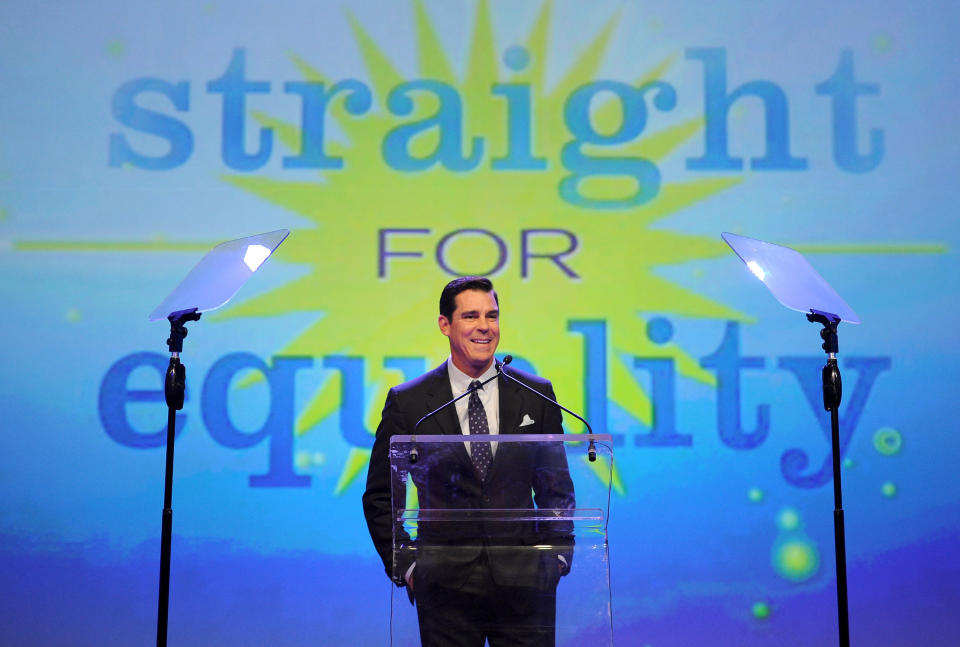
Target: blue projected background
x,y
587,156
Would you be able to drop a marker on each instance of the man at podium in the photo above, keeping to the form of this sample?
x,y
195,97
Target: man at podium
x,y
473,581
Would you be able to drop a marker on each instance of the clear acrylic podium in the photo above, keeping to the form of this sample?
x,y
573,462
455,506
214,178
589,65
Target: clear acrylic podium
x,y
534,529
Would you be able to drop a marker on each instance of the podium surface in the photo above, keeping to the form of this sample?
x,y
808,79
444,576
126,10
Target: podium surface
x,y
521,552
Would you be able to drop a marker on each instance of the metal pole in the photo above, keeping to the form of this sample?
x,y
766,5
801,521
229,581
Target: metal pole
x,y
166,533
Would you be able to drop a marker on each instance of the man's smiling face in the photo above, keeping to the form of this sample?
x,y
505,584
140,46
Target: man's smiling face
x,y
473,331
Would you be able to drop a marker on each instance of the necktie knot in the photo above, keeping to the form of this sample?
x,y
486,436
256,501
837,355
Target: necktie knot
x,y
475,385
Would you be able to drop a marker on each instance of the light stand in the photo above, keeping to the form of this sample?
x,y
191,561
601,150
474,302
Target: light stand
x,y
832,394
209,285
174,387
796,285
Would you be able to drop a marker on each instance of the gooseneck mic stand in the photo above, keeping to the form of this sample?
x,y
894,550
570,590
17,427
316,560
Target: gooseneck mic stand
x,y
592,447
174,387
832,393
414,453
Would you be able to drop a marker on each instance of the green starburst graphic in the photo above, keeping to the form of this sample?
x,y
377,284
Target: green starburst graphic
x,y
617,259
614,247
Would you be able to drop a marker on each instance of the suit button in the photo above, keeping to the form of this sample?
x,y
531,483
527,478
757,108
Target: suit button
x,y
486,498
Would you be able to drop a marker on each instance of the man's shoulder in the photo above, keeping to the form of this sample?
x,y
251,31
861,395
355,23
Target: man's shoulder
x,y
531,380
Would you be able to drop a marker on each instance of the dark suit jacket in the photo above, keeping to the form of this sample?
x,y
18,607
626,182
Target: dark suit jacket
x,y
521,475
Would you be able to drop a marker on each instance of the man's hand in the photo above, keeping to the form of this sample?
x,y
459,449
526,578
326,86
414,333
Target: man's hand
x,y
408,578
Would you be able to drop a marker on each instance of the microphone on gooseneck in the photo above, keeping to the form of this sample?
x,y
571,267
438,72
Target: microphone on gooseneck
x,y
592,447
414,454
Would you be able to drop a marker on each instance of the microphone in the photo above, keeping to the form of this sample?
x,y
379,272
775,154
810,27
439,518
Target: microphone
x,y
592,447
414,454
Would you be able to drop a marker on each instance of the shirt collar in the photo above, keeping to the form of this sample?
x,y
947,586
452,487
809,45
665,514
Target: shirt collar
x,y
460,381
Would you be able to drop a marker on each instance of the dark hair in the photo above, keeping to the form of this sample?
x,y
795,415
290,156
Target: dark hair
x,y
448,298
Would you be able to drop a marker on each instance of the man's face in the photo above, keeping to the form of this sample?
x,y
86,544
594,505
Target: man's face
x,y
473,330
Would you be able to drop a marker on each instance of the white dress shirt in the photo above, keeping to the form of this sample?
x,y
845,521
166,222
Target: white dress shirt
x,y
489,398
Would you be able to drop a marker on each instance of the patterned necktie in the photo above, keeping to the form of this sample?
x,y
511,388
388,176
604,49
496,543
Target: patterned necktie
x,y
480,453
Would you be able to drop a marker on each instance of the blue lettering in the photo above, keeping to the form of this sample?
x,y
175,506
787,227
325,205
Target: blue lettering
x,y
526,254
501,252
409,367
595,373
807,371
663,432
126,111
234,87
576,114
717,106
727,362
383,253
447,121
352,391
278,426
519,155
114,397
845,90
313,114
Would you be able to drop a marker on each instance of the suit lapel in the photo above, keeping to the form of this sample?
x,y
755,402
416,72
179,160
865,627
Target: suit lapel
x,y
511,407
445,422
